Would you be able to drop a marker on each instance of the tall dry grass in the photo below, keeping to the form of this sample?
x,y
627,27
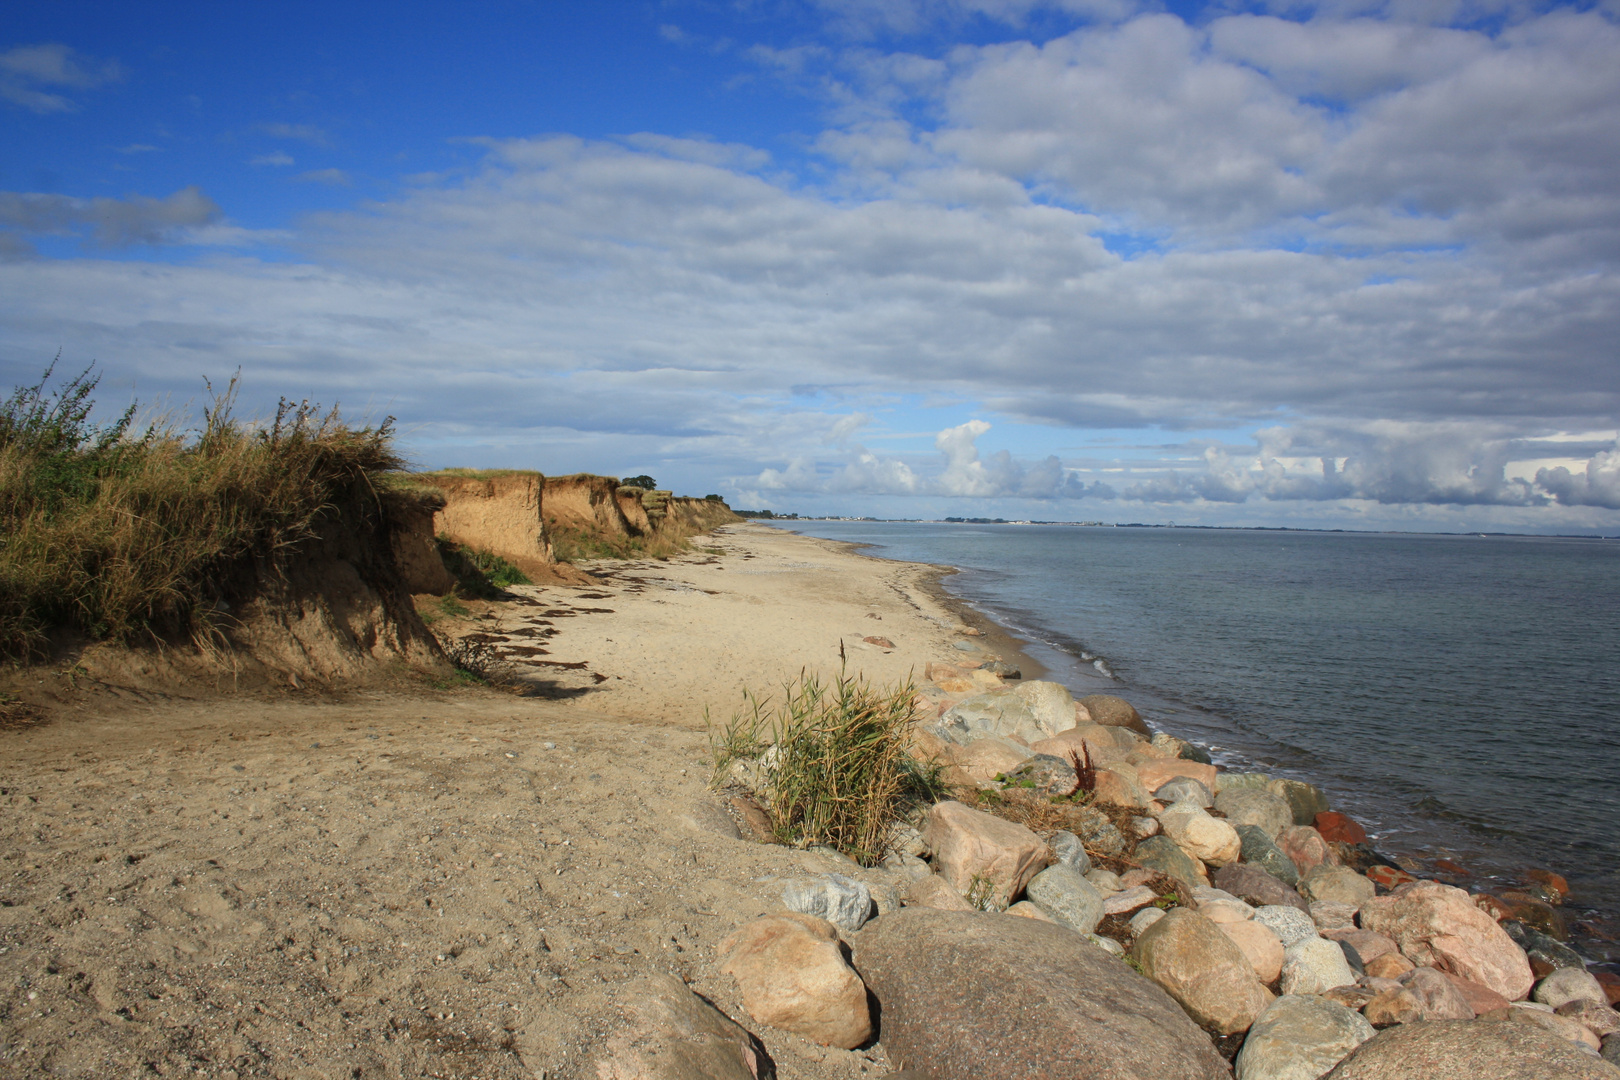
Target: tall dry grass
x,y
115,533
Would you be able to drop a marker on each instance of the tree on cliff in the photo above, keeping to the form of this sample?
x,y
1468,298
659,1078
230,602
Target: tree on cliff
x,y
642,481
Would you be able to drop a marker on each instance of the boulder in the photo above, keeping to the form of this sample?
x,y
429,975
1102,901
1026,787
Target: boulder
x,y
1260,945
1144,919
1183,789
669,1033
1249,781
1203,969
1161,853
1156,773
1536,912
970,997
1314,965
1034,711
1201,835
1338,884
1064,894
1306,800
983,759
1099,742
1254,886
1552,1023
969,844
1255,806
792,975
1045,775
1106,881
1110,711
1337,828
1223,909
934,892
1368,945
1611,1050
1390,1007
1440,998
1261,850
1025,909
1482,999
1388,877
839,900
1569,984
1098,832
1117,785
1600,1020
1306,848
1332,915
1555,884
1070,850
1290,924
1300,1038
1544,952
1436,925
1462,1050
1050,704
1389,966
1122,903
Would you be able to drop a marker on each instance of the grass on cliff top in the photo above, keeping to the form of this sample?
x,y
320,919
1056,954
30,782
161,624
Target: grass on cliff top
x,y
472,474
831,761
572,545
115,533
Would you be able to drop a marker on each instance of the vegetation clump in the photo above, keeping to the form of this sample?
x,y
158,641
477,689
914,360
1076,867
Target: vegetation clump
x,y
831,761
573,545
482,575
115,533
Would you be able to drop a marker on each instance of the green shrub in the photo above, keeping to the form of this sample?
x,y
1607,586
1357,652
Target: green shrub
x,y
480,574
838,772
114,535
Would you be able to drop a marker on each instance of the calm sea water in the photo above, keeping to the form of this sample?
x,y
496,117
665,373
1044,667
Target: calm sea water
x,y
1458,695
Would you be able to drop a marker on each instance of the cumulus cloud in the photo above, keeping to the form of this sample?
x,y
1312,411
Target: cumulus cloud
x,y
307,133
33,76
1597,485
328,177
110,222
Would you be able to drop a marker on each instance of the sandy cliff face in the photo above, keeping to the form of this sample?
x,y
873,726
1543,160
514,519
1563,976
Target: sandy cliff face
x,y
416,551
500,514
588,504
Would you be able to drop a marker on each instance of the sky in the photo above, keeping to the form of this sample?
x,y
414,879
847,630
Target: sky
x,y
1353,264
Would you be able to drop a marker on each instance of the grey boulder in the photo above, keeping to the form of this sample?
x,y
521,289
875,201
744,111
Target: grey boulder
x,y
1254,806
1262,850
1185,789
1300,1038
1064,894
1246,881
845,903
968,996
1305,800
1070,851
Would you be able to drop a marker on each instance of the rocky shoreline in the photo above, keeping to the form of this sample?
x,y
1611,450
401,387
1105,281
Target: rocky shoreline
x,y
1101,900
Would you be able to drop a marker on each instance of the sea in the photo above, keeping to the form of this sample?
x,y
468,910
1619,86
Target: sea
x,y
1458,695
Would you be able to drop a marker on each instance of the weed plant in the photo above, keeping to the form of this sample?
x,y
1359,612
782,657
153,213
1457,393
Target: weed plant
x,y
114,533
836,760
482,575
574,545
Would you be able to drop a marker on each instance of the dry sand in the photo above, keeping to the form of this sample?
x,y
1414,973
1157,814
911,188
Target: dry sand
x,y
422,883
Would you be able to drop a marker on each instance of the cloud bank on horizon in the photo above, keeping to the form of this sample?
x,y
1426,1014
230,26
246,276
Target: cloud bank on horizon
x,y
1344,264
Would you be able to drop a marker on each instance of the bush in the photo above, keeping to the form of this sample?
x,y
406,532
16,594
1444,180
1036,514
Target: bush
x,y
643,481
835,764
114,535
482,575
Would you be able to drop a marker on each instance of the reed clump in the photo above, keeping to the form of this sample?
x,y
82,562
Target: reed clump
x,y
115,533
830,763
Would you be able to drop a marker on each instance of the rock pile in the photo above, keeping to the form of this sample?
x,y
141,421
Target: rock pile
x,y
1183,908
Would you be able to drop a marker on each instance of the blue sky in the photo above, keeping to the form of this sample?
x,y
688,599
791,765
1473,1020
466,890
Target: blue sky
x,y
1347,265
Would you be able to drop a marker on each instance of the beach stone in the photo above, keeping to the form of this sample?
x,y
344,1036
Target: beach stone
x,y
1223,909
1562,1027
1389,1007
974,997
1388,877
1098,831
1260,945
1300,1038
984,759
1184,789
1332,915
1161,853
1463,1050
1600,1020
1482,999
792,975
1305,846
1167,744
1611,1050
1261,850
1063,893
1290,924
1097,741
1157,772
1306,800
934,891
1106,881
1003,669
672,1034
1388,966
970,844
1110,711
996,712
1128,900
1027,910
1144,919
1107,945
1536,912
840,900
1203,969
1070,850
1337,828
1544,952
1436,925
1050,703
1314,965
1202,836
1368,945
1194,752
1338,884
1235,781
1145,827
1569,984
1439,996
1117,785
1254,886
1556,885
1355,996
1049,775
1255,806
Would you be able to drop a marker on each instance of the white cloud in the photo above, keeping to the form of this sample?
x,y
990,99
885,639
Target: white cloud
x,y
30,75
112,222
277,158
307,133
329,177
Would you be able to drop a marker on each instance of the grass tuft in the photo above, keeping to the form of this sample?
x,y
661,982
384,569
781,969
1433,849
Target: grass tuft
x,y
115,534
833,759
482,575
573,545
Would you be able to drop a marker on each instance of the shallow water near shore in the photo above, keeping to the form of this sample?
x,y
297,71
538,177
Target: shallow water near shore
x,y
1459,695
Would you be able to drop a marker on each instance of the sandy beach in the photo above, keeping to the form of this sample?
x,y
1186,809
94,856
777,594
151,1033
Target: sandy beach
x,y
370,883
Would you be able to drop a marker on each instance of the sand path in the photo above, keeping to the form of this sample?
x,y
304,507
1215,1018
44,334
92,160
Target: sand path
x,y
447,884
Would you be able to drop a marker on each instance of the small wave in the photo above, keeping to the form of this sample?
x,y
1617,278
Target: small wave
x,y
1102,667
